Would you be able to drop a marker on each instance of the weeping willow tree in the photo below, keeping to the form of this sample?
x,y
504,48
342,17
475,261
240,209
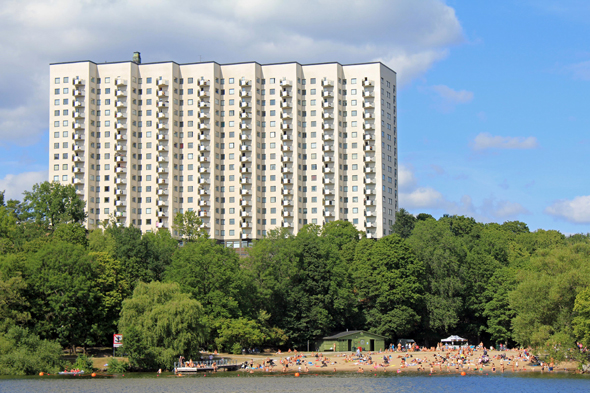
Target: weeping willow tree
x,y
160,323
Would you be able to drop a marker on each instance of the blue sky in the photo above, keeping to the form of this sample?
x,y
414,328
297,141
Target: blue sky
x,y
492,104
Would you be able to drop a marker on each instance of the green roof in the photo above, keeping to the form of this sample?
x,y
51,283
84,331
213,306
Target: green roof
x,y
349,333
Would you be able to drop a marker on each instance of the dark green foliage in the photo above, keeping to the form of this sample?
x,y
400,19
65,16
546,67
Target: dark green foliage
x,y
117,367
84,363
52,204
404,223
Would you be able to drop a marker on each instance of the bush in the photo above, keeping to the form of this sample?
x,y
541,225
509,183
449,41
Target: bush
x,y
236,349
117,367
24,353
85,363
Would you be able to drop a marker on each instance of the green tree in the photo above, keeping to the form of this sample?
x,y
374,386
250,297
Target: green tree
x,y
159,323
13,302
53,203
581,322
188,225
24,353
65,302
235,334
160,247
73,233
340,233
404,223
389,281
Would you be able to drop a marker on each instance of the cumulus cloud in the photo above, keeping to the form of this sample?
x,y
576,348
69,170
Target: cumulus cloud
x,y
14,185
413,196
485,141
406,35
576,210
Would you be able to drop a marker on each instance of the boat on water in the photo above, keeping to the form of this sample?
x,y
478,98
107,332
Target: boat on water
x,y
71,372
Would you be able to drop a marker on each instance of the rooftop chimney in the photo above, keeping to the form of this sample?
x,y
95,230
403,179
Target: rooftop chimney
x,y
136,58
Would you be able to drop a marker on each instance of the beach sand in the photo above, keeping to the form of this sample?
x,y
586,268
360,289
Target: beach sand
x,y
336,363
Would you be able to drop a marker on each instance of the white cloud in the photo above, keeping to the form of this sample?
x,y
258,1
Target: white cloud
x,y
580,71
412,196
14,185
408,36
576,210
446,98
485,141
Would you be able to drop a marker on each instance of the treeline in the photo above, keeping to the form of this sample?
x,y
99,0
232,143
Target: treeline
x,y
62,287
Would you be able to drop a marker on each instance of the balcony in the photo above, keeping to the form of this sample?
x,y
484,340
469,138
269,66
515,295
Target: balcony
x,y
369,169
245,236
162,191
77,180
327,94
203,170
162,159
245,115
245,214
121,115
203,82
203,214
328,115
328,126
120,82
327,105
369,159
162,115
78,93
368,83
245,82
286,104
245,180
328,181
369,180
121,148
326,83
120,126
287,169
369,137
162,137
246,224
370,192
204,94
203,104
368,105
245,192
368,94
286,148
161,126
78,115
245,137
162,203
370,148
244,126
203,126
121,104
120,192
287,225
78,126
368,115
204,137
120,180
121,93
78,169
328,148
287,192
329,203
328,159
203,115
203,192
328,169
246,203
120,170
76,147
285,115
161,169
120,159
245,93
245,170
162,104
286,94
371,225
120,214
287,159
162,93
120,203
245,148
368,126
162,214
162,148
162,181
246,159
287,214
328,191
162,82
77,81
203,148
328,138
328,213
78,137
78,104
370,213
285,180
369,202
286,82
245,104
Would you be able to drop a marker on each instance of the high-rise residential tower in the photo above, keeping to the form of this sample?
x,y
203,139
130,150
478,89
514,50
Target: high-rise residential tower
x,y
250,147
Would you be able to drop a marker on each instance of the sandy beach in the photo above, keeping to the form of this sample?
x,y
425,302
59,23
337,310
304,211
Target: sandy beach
x,y
426,362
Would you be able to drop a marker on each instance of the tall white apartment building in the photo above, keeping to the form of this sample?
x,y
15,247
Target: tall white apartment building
x,y
250,147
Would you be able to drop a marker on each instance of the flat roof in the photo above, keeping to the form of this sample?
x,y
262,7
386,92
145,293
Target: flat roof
x,y
227,64
348,333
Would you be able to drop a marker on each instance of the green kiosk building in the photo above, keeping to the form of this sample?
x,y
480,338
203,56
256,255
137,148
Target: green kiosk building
x,y
351,340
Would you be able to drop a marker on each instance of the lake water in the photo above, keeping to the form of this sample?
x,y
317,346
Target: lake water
x,y
342,382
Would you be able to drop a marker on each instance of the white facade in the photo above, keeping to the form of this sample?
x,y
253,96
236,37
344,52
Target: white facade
x,y
250,147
